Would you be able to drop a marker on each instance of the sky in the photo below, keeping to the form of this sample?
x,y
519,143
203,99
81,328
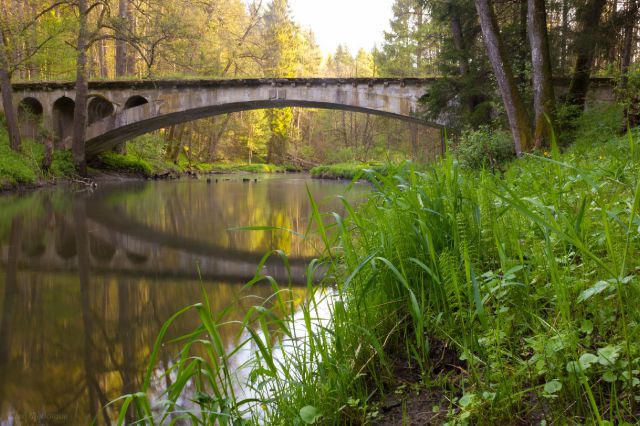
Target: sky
x,y
356,23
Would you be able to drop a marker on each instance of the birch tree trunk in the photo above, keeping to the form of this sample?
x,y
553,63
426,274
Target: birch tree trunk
x,y
543,96
513,104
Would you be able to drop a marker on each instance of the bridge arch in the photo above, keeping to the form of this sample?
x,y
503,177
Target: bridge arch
x,y
62,114
99,108
144,119
135,101
30,115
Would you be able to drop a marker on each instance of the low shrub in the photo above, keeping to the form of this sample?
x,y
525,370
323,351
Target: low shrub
x,y
348,170
62,164
125,163
484,148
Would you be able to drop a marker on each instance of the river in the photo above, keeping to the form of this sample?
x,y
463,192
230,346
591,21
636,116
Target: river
x,y
88,277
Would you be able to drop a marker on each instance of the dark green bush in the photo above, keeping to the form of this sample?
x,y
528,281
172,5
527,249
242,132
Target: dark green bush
x,y
62,164
484,148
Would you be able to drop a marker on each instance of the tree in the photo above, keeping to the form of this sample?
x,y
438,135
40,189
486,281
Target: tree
x,y
543,93
7,95
82,89
586,42
406,50
121,59
500,63
281,51
15,52
85,38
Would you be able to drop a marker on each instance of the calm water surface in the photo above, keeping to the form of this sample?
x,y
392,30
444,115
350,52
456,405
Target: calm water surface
x,y
88,278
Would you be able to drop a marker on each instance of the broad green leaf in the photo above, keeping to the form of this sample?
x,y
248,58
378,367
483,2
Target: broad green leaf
x,y
609,377
310,414
467,399
587,359
587,326
608,355
552,387
597,288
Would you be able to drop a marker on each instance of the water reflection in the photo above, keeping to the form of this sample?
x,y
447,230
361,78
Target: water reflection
x,y
87,279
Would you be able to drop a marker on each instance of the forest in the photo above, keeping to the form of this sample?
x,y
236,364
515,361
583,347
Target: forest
x,y
498,67
489,276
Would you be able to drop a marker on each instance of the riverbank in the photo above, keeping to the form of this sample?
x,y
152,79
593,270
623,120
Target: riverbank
x,y
465,297
19,171
350,171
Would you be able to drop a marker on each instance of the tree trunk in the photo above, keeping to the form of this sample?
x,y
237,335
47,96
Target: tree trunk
x,y
589,22
82,91
131,58
513,103
564,37
627,48
121,45
456,33
543,97
7,98
102,59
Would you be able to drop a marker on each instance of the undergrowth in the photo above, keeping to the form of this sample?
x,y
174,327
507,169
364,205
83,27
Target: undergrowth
x,y
26,167
126,163
530,277
349,170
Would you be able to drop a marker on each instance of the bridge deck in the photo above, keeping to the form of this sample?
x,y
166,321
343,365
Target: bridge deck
x,y
188,83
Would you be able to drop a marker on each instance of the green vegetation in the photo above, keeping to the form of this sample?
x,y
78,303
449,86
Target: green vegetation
x,y
349,171
484,148
508,296
249,168
26,168
125,163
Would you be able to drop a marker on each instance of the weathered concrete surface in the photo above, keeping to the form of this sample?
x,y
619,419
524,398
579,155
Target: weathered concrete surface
x,y
121,110
172,102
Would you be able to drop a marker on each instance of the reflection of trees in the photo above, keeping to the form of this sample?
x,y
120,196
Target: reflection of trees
x,y
96,396
196,211
70,341
7,321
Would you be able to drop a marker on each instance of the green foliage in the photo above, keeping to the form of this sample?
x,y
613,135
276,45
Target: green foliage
x,y
62,164
598,123
348,170
26,167
484,148
530,278
249,168
14,168
125,163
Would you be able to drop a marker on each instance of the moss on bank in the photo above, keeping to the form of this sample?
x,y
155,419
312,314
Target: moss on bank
x,y
26,167
348,170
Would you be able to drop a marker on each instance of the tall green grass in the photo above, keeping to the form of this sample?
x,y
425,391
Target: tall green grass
x,y
531,278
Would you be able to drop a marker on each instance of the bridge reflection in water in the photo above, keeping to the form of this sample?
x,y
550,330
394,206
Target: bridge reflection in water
x,y
86,280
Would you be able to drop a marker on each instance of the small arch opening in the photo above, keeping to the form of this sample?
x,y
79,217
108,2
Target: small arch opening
x,y
135,101
63,110
100,249
99,108
30,113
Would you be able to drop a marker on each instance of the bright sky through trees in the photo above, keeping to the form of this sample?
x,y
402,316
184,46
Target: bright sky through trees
x,y
356,23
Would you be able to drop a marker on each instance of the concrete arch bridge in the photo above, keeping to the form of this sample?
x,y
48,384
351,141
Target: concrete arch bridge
x,y
121,110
